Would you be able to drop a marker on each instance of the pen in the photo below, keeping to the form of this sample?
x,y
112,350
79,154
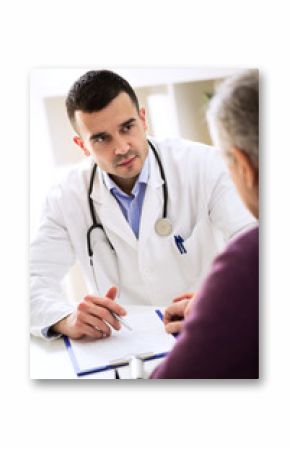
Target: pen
x,y
179,243
118,318
121,320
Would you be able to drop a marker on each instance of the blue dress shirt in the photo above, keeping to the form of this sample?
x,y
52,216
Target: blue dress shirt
x,y
130,205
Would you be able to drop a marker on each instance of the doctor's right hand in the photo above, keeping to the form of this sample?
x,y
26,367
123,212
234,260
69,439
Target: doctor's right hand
x,y
92,317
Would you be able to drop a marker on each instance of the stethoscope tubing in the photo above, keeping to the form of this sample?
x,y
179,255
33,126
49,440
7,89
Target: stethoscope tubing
x,y
95,224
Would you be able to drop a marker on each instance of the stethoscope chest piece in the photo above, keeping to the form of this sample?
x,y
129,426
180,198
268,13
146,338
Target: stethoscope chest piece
x,y
163,227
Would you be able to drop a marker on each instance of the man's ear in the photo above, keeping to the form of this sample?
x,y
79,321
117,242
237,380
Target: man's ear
x,y
244,167
142,115
79,142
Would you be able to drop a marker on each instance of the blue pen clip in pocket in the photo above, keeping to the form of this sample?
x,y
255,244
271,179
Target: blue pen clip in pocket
x,y
179,243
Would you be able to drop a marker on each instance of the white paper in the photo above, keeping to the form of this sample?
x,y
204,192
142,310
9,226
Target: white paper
x,y
147,337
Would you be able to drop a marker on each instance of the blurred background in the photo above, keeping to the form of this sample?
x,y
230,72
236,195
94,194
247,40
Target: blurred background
x,y
175,100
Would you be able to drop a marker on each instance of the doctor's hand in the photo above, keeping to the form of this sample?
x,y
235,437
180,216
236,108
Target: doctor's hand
x,y
92,317
175,313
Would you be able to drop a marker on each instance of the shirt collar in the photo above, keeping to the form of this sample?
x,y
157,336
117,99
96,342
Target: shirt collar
x,y
142,179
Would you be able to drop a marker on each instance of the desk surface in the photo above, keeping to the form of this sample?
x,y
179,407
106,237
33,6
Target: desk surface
x,y
50,360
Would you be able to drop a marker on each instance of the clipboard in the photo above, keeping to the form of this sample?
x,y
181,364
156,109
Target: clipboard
x,y
148,340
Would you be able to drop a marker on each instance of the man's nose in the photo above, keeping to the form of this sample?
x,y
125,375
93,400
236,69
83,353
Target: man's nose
x,y
121,146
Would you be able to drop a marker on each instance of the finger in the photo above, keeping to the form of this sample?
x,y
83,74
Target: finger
x,y
189,306
107,303
186,295
89,309
104,314
168,317
175,310
94,321
89,331
111,293
174,327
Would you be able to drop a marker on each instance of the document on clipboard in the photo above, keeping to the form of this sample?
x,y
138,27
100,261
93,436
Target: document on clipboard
x,y
147,339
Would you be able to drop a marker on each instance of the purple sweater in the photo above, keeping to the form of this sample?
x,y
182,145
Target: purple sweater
x,y
220,338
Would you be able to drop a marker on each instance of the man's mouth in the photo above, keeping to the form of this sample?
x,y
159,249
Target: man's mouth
x,y
127,161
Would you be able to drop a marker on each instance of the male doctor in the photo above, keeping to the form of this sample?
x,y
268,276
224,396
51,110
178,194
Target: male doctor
x,y
143,217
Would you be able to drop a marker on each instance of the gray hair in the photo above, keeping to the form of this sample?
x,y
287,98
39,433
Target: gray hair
x,y
233,114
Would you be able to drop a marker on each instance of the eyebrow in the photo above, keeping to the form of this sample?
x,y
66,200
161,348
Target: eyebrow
x,y
98,135
128,122
103,134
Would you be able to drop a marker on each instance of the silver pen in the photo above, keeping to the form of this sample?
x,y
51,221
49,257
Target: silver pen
x,y
118,318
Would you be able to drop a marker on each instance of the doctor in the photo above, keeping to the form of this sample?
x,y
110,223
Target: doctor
x,y
143,217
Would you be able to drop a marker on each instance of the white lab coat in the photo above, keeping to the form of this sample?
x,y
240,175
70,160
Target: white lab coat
x,y
203,207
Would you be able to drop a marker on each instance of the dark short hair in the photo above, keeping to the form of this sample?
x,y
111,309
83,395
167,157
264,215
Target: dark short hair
x,y
95,90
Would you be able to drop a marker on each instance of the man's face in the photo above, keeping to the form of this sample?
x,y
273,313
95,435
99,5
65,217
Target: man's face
x,y
115,137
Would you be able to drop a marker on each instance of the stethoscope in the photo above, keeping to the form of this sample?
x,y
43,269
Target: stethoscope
x,y
163,226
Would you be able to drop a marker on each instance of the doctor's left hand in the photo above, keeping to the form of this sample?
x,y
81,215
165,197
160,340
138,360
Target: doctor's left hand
x,y
93,317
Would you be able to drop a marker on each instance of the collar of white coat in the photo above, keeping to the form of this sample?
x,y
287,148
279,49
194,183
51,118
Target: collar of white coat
x,y
155,181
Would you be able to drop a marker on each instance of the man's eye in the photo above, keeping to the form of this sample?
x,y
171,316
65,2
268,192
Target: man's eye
x,y
100,139
127,127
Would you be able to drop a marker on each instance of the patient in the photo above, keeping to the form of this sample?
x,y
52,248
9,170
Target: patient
x,y
219,336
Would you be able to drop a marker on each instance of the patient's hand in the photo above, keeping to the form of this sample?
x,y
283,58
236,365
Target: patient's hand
x,y
175,313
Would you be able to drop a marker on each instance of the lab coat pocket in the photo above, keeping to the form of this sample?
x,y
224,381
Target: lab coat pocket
x,y
196,253
186,258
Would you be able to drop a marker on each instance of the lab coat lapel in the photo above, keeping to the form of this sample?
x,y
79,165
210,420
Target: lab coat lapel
x,y
109,213
153,202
